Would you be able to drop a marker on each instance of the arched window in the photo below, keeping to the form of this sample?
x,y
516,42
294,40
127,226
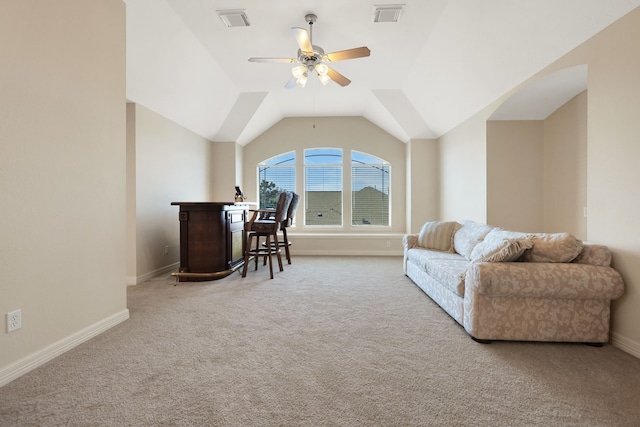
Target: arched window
x,y
370,186
323,186
276,175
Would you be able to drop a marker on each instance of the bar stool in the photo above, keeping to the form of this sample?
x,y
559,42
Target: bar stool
x,y
287,222
266,223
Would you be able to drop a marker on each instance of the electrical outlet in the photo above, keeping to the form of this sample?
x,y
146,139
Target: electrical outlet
x,y
14,320
166,250
388,244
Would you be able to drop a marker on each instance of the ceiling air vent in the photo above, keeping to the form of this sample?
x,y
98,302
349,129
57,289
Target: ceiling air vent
x,y
387,13
234,18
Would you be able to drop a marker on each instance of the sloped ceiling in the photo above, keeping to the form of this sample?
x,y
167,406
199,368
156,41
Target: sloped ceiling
x,y
441,63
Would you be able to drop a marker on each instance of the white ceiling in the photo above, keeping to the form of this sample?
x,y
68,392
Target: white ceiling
x,y
441,63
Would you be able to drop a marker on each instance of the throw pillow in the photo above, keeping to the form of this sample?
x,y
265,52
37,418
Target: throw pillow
x,y
468,236
501,246
438,235
555,247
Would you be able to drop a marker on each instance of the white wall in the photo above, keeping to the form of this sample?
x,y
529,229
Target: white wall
x,y
171,72
173,164
62,176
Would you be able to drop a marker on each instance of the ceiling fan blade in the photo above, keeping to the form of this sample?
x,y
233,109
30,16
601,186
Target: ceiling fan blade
x,y
303,40
337,77
282,60
291,83
341,55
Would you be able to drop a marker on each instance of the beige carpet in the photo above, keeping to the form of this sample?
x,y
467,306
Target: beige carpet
x,y
328,342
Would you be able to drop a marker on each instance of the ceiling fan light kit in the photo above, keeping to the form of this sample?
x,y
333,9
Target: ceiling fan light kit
x,y
324,79
322,69
312,58
302,80
298,71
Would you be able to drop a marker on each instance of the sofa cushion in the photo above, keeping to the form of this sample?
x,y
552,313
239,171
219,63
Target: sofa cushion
x,y
501,246
420,256
468,236
556,247
438,235
449,272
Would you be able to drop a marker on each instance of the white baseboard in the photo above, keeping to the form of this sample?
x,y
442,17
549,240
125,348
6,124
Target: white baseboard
x,y
136,280
346,252
39,358
625,344
347,244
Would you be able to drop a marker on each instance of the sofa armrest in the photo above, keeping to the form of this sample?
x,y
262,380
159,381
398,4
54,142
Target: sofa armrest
x,y
594,254
409,241
543,280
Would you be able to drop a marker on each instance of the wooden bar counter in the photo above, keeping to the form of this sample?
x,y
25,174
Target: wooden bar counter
x,y
212,239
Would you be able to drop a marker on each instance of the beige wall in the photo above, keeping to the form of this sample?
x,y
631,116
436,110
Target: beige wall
x,y
131,194
423,183
565,168
613,175
514,174
172,165
536,171
239,166
225,168
463,171
62,176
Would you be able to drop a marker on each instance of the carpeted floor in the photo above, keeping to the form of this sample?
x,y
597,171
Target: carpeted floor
x,y
331,341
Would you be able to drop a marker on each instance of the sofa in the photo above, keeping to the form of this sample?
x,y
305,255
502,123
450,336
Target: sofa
x,y
507,285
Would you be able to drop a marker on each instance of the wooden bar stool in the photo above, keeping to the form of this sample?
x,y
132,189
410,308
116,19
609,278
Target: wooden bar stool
x,y
266,223
287,222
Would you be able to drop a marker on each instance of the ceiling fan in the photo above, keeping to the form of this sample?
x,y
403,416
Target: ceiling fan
x,y
312,58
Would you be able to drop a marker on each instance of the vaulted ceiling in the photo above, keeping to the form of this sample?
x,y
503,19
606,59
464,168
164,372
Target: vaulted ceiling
x,y
442,62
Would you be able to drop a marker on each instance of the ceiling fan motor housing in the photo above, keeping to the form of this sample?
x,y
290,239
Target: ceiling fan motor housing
x,y
312,60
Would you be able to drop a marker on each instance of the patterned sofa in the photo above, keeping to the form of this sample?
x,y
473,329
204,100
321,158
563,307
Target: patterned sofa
x,y
505,285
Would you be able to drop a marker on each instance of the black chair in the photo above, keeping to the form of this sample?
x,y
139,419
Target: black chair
x,y
266,223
